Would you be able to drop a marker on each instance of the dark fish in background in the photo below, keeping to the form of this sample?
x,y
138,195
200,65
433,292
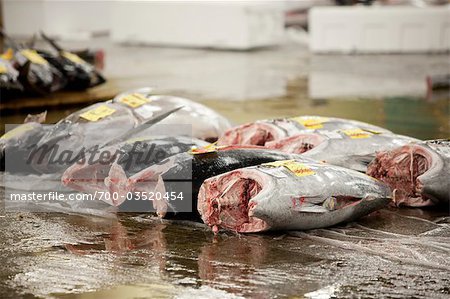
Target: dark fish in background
x,y
288,195
262,131
127,158
16,144
80,74
183,174
350,148
418,173
9,80
36,74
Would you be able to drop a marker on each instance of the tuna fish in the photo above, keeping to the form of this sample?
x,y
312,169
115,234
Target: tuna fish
x,y
184,173
80,74
288,195
103,123
351,148
262,131
418,174
36,74
128,158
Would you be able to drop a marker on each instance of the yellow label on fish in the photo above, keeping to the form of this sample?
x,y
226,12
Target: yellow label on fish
x,y
17,130
297,168
34,56
73,57
97,113
134,100
3,68
357,133
8,54
311,122
210,148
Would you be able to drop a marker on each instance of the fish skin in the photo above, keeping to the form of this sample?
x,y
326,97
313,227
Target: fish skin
x,y
16,147
9,83
430,187
262,131
338,148
74,133
206,123
286,201
193,169
40,79
80,74
90,177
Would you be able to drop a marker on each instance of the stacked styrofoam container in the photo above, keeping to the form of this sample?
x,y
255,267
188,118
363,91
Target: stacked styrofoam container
x,y
401,29
66,19
215,24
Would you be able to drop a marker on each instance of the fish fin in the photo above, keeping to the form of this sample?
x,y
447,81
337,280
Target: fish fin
x,y
142,126
31,42
161,206
38,118
51,42
23,71
308,204
117,183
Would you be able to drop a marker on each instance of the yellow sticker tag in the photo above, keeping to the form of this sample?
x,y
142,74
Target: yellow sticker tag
x,y
8,54
297,168
3,68
17,130
134,100
311,122
357,133
97,113
210,148
73,57
33,56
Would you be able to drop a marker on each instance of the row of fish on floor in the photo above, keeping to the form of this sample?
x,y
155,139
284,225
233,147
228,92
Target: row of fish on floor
x,y
294,173
28,70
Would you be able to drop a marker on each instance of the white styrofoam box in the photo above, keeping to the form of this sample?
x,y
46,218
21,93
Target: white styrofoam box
x,y
379,29
225,25
372,76
65,19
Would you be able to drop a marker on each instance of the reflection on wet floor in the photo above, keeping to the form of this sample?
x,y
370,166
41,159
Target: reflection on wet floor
x,y
140,256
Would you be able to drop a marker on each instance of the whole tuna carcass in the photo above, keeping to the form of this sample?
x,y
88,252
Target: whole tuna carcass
x,y
418,174
184,173
351,148
124,160
288,195
16,144
103,123
262,131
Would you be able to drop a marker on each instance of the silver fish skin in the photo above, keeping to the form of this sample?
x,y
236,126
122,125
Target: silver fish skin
x,y
262,131
75,133
351,148
309,195
418,173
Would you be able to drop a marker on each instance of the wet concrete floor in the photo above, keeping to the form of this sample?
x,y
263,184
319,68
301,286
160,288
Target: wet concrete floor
x,y
393,253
